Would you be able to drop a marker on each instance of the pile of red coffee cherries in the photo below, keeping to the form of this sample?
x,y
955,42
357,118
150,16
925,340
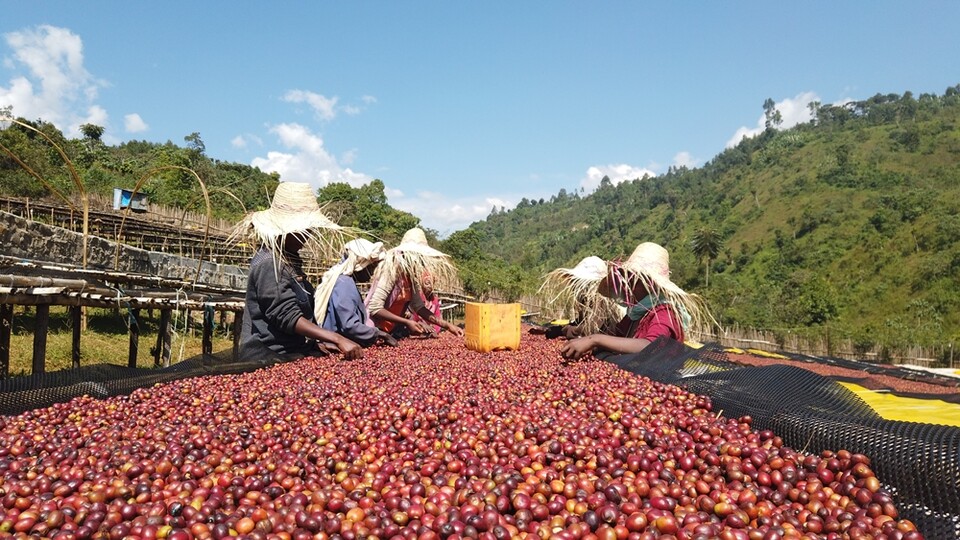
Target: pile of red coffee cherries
x,y
427,440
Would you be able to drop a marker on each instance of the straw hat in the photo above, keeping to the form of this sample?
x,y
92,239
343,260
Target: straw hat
x,y
294,209
574,291
415,241
589,268
414,258
649,265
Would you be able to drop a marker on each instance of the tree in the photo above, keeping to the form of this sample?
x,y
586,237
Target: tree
x,y
92,132
366,208
706,245
772,116
195,143
814,107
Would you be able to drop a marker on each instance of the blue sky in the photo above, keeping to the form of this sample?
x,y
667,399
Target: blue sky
x,y
460,106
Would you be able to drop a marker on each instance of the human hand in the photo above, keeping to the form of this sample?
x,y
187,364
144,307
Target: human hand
x,y
453,329
575,348
571,331
419,329
387,338
350,350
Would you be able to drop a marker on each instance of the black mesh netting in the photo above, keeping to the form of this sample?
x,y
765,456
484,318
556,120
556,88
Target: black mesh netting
x,y
869,369
919,464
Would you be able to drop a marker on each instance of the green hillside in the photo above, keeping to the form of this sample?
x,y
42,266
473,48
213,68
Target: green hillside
x,y
31,165
849,223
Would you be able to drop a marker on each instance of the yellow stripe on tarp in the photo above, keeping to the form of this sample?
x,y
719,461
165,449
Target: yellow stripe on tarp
x,y
906,409
756,352
767,354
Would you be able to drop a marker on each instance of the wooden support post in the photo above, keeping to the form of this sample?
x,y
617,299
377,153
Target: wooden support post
x,y
162,355
6,322
76,318
237,329
134,337
40,338
207,343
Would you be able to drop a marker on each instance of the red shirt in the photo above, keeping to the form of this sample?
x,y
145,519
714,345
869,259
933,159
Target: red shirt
x,y
659,321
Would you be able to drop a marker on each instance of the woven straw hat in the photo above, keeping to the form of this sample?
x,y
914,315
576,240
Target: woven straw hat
x,y
649,264
414,258
574,291
415,241
294,209
589,268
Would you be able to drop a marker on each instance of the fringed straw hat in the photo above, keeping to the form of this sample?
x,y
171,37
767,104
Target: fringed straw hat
x,y
294,209
415,258
357,255
649,264
575,292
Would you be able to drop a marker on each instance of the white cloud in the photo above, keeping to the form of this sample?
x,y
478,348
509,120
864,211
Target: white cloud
x,y
684,159
55,85
305,159
392,193
245,139
793,111
325,108
445,214
134,124
348,156
95,115
616,173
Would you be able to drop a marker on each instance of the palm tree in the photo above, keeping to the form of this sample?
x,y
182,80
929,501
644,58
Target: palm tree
x,y
706,244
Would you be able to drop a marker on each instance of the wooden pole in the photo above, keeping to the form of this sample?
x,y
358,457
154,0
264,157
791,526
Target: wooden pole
x,y
162,356
237,329
207,346
134,337
40,338
76,315
6,322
